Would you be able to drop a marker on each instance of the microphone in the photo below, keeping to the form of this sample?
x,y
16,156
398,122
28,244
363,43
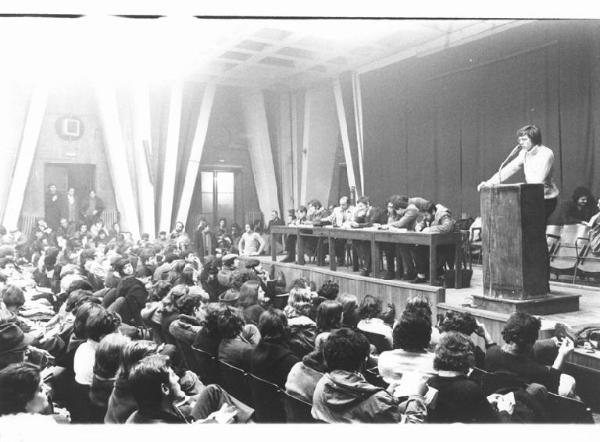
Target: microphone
x,y
509,157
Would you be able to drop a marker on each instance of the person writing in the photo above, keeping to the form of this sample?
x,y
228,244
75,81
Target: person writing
x,y
536,160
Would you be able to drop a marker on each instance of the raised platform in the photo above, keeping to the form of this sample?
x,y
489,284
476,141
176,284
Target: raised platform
x,y
393,291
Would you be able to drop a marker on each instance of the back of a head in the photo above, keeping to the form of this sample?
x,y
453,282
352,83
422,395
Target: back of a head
x,y
159,290
329,289
18,385
272,324
521,329
454,352
329,315
133,352
412,333
146,379
346,349
229,323
300,301
350,316
13,296
419,304
82,314
100,323
462,322
249,293
370,307
78,297
79,284
108,355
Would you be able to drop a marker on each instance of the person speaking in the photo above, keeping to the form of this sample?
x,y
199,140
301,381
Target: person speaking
x,y
537,162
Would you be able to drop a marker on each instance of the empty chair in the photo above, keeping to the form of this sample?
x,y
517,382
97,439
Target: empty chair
x,y
205,366
236,382
566,255
553,237
297,411
267,400
589,262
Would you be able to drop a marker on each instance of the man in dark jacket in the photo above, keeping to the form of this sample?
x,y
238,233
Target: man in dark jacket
x,y
343,394
366,215
92,208
53,206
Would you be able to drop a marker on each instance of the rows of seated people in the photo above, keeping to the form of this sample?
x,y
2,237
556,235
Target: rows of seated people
x,y
120,348
402,261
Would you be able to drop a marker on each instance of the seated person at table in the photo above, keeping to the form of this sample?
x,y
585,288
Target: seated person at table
x,y
343,394
366,215
459,399
520,334
290,240
436,219
315,213
340,216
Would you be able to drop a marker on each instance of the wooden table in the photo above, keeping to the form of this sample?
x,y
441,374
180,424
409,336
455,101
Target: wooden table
x,y
375,237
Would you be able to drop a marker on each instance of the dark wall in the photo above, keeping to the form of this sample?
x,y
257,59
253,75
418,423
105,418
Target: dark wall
x,y
438,125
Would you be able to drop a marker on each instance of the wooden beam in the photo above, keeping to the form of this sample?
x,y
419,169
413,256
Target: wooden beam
x,y
171,156
341,114
261,157
142,138
116,155
24,161
358,121
191,173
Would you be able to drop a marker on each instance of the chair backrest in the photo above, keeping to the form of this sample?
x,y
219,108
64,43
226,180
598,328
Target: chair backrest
x,y
500,382
236,382
373,377
568,411
477,375
379,341
268,400
205,366
297,410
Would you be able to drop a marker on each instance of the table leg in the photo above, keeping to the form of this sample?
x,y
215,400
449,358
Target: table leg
x,y
375,259
300,250
432,262
273,247
458,261
332,255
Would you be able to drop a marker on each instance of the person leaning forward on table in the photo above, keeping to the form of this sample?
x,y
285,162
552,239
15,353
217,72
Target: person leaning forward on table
x,y
436,219
537,162
340,216
290,240
405,215
366,215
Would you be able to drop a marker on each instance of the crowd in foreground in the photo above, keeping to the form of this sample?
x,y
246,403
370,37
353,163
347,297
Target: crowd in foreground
x,y
103,334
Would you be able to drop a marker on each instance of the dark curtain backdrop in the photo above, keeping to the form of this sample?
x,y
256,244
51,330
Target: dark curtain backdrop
x,y
438,125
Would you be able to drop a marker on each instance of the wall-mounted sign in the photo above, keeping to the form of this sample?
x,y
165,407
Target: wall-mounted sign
x,y
69,128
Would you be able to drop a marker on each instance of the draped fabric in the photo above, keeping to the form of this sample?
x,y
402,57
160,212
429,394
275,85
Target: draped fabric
x,y
438,125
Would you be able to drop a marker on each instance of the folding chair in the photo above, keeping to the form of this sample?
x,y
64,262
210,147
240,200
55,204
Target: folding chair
x,y
236,382
379,341
373,377
500,382
206,366
297,411
564,410
566,254
268,400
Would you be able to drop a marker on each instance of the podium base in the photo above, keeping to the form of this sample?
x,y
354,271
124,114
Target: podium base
x,y
547,305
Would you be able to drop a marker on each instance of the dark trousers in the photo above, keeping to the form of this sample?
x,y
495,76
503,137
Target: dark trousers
x,y
549,206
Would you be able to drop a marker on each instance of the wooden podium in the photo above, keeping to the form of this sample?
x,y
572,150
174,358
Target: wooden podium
x,y
515,265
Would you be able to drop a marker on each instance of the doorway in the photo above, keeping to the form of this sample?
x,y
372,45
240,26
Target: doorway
x,y
218,195
81,177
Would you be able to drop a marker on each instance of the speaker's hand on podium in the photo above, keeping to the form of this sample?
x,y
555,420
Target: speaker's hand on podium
x,y
482,185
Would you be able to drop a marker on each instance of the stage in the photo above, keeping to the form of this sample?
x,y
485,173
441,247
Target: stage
x,y
581,364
